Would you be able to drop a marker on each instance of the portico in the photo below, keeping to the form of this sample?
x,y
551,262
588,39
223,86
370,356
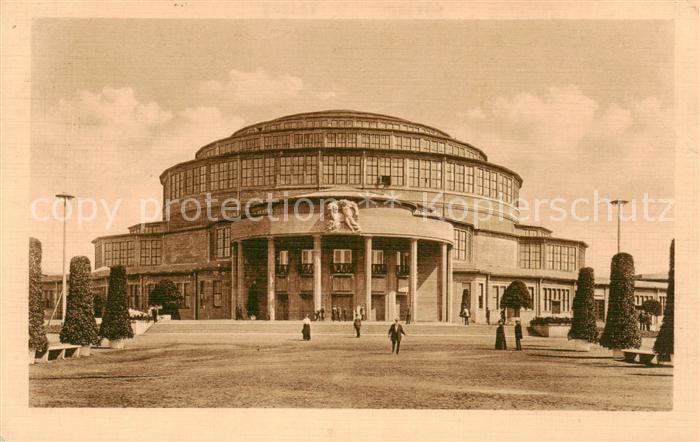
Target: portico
x,y
382,270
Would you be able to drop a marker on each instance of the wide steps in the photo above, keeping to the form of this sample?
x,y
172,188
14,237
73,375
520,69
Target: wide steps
x,y
272,327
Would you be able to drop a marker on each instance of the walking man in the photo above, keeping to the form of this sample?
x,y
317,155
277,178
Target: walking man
x,y
395,332
357,323
518,335
488,316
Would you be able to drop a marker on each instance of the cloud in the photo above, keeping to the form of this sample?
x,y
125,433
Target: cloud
x,y
110,145
252,88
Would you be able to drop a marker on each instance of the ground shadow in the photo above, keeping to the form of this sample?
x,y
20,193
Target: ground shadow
x,y
570,357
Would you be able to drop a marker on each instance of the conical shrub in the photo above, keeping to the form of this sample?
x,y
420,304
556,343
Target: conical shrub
x,y
37,332
80,327
621,330
115,323
664,341
583,324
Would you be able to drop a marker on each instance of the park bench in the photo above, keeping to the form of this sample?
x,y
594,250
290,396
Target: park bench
x,y
59,351
645,357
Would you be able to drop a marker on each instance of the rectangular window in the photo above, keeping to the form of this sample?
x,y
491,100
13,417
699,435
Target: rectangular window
x,y
342,169
119,253
530,256
187,295
342,256
556,307
462,245
481,295
377,257
217,293
307,256
379,167
151,252
223,242
298,169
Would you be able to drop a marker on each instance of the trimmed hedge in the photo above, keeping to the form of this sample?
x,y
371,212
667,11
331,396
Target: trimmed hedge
x,y
166,294
516,296
621,329
37,332
550,320
583,324
652,307
80,327
115,323
664,342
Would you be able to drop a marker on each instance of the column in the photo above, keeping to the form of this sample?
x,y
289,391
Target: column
x,y
317,272
234,278
368,276
271,278
413,279
443,281
450,285
240,278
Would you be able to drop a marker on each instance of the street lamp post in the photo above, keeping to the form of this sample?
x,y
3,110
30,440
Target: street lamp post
x,y
619,204
64,304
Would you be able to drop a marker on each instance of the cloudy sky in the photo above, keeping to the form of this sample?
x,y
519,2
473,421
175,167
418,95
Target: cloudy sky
x,y
575,107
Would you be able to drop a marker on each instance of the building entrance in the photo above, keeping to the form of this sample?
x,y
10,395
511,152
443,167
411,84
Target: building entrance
x,y
343,302
282,307
306,306
378,308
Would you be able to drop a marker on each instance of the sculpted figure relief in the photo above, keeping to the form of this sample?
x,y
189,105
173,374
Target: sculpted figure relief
x,y
343,212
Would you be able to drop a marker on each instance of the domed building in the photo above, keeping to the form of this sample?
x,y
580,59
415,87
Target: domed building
x,y
356,211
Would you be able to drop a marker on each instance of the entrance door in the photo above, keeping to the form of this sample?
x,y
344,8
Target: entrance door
x,y
282,307
402,306
205,302
306,306
343,301
378,308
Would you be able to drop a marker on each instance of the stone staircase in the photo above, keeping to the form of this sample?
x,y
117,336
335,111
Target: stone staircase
x,y
330,327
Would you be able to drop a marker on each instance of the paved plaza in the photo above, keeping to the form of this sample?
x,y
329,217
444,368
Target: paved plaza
x,y
262,364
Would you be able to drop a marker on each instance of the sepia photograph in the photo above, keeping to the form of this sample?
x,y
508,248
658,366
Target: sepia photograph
x,y
285,214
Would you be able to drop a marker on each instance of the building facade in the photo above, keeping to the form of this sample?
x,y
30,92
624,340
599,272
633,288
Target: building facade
x,y
352,210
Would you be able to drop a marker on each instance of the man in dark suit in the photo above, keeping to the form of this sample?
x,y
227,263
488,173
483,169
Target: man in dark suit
x,y
395,332
518,335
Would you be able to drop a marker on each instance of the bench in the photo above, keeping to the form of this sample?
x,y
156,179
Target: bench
x,y
645,357
59,351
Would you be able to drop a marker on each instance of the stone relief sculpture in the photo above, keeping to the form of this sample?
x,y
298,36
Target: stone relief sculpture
x,y
343,212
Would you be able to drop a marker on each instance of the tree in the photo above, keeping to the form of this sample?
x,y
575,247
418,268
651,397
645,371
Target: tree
x,y
664,341
80,327
621,330
115,323
516,296
652,307
166,295
583,325
37,332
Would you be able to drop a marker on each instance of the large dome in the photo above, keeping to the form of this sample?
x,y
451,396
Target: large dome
x,y
309,127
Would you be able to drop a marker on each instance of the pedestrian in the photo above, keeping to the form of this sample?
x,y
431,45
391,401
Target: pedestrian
x,y
345,315
333,313
518,335
395,332
323,313
488,316
306,328
408,317
357,323
154,313
500,337
362,313
465,315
